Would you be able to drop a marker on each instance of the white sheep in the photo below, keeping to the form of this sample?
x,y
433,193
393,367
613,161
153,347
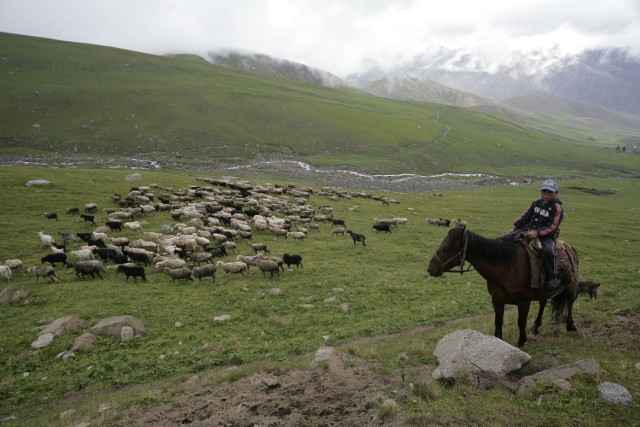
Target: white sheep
x,y
338,230
44,271
233,267
297,235
198,257
6,272
133,225
14,265
249,260
171,263
230,246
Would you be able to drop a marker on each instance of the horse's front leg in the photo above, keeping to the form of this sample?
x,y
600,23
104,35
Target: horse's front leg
x,y
571,327
538,321
523,313
498,309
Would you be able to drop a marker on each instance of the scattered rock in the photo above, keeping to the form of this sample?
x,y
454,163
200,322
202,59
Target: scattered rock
x,y
65,324
112,326
274,292
330,300
37,182
42,341
133,177
126,333
345,307
13,293
614,393
563,372
222,319
323,354
84,342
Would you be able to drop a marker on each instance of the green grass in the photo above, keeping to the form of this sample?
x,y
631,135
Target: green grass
x,y
384,283
65,98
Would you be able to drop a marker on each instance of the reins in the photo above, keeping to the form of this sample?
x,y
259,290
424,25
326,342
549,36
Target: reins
x,y
463,257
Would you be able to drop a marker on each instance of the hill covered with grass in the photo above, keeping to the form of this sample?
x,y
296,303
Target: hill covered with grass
x,y
70,99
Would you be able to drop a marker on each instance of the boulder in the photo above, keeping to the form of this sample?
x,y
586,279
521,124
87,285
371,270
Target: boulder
x,y
112,326
65,324
467,352
42,341
614,393
13,293
84,342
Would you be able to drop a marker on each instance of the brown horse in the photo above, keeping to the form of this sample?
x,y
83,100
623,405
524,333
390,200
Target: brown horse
x,y
504,264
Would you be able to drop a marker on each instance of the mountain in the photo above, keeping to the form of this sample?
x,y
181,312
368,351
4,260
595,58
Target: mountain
x,y
608,77
269,66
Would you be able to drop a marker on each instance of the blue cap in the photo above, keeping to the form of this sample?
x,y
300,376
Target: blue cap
x,y
549,184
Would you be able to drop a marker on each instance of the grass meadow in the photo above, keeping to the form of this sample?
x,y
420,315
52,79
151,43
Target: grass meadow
x,y
385,285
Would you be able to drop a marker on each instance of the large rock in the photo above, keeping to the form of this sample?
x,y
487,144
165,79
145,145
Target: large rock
x,y
614,393
42,341
112,326
84,342
466,352
65,324
13,293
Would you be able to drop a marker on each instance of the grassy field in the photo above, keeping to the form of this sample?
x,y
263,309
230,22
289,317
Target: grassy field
x,y
65,99
384,283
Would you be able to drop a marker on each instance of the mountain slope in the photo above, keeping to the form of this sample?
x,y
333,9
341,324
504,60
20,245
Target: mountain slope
x,y
76,99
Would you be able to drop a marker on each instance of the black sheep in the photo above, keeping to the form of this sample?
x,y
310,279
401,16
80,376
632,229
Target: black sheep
x,y
53,258
383,226
292,260
88,219
131,271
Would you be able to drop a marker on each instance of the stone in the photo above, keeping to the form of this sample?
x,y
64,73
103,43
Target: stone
x,y
127,333
112,326
13,293
323,354
466,352
84,342
222,319
33,182
345,307
43,340
65,324
614,393
133,177
528,383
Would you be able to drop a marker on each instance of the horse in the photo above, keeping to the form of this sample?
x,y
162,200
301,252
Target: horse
x,y
504,264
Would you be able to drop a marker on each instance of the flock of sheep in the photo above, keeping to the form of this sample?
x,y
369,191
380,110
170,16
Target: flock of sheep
x,y
206,222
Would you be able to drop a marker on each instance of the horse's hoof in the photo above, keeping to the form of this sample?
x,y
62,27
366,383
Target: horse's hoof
x,y
533,330
571,328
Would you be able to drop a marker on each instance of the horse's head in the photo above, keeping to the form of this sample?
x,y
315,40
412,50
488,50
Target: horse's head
x,y
451,252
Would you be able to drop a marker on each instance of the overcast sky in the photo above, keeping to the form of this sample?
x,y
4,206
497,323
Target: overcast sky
x,y
334,35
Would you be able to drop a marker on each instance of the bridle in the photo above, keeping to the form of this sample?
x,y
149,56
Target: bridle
x,y
462,253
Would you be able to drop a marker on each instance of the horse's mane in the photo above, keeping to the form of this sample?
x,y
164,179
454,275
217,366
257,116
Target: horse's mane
x,y
497,250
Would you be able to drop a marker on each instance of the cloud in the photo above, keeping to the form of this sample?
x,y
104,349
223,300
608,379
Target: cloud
x,y
334,35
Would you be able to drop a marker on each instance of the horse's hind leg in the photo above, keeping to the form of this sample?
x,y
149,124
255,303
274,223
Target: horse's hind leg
x,y
571,327
538,321
523,313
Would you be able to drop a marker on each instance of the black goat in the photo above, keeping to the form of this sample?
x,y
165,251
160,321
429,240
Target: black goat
x,y
106,254
88,219
383,226
53,258
292,260
131,271
338,222
218,251
114,225
357,237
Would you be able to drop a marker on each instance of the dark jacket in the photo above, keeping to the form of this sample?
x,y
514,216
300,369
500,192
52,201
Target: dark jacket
x,y
545,218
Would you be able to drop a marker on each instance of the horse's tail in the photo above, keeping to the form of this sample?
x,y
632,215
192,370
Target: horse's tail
x,y
559,307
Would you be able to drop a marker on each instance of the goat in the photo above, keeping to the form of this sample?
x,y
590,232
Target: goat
x,y
55,257
68,236
73,210
208,270
46,239
132,271
338,222
50,215
114,224
44,271
292,260
219,251
357,237
82,254
88,219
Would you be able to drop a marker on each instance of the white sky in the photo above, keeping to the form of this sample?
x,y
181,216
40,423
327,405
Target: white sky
x,y
334,35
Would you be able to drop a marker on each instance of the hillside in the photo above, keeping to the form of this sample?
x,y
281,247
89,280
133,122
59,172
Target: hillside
x,y
68,99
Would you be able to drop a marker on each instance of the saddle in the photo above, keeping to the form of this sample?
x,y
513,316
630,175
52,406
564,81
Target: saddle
x,y
564,262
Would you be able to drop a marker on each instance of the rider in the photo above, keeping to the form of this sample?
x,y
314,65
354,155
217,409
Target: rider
x,y
542,220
